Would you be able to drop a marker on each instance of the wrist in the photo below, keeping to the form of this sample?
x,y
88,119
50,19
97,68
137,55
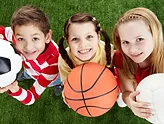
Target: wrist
x,y
126,98
127,102
14,89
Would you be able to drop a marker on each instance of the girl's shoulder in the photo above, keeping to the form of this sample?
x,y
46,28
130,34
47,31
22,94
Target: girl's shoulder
x,y
117,59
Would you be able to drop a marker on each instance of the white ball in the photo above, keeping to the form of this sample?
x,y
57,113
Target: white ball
x,y
152,90
7,52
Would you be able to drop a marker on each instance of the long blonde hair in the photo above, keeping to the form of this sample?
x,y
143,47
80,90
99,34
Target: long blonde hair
x,y
156,59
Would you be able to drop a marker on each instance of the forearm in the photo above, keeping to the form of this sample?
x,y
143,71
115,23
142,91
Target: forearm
x,y
14,89
26,97
125,96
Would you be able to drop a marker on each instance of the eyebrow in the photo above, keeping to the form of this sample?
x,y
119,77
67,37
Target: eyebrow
x,y
139,36
35,34
133,38
31,35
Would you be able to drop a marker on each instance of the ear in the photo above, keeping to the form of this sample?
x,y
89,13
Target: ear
x,y
49,36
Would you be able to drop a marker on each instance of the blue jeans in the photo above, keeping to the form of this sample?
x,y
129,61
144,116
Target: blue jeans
x,y
53,83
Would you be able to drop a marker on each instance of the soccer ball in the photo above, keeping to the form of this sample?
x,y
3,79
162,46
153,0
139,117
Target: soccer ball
x,y
152,90
10,63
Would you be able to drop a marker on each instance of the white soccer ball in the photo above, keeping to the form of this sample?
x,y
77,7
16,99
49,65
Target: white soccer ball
x,y
152,90
10,63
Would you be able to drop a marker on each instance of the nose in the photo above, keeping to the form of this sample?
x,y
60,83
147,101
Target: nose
x,y
28,46
133,49
83,43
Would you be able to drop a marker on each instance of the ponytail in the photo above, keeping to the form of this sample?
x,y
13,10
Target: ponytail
x,y
107,50
64,54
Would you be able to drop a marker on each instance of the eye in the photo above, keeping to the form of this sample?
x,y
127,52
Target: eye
x,y
125,42
75,39
89,36
20,39
35,39
139,39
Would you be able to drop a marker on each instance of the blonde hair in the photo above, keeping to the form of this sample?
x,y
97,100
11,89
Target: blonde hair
x,y
156,59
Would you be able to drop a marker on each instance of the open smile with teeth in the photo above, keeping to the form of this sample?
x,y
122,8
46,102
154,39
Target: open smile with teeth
x,y
84,51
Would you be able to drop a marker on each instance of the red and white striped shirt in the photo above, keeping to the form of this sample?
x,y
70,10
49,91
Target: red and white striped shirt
x,y
43,70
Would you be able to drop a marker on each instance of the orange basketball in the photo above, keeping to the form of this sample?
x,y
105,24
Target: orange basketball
x,y
90,89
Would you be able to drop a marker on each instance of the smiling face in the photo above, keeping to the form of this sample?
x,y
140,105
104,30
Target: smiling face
x,y
30,41
136,40
83,40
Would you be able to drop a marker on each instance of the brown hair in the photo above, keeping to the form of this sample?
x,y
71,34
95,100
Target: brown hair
x,y
83,18
30,15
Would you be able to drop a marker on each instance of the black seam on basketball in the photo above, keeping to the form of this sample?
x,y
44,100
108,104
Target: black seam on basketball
x,y
82,93
92,97
91,86
83,99
92,107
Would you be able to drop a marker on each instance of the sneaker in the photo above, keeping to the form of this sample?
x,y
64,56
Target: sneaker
x,y
20,76
58,89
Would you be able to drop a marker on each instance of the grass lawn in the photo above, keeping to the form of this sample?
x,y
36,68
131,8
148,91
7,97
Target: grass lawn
x,y
49,109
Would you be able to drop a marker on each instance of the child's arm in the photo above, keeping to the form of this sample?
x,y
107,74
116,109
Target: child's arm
x,y
64,69
6,33
128,90
28,97
129,96
126,86
2,32
13,86
44,75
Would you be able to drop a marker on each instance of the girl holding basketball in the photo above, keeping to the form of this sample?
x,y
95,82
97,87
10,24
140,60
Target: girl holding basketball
x,y
138,38
82,35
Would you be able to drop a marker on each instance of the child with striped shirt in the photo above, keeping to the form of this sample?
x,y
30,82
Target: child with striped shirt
x,y
31,35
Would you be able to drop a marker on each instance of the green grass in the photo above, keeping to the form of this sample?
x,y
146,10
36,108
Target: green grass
x,y
49,109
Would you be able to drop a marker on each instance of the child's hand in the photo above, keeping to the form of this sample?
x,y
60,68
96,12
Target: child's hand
x,y
140,109
13,87
3,89
1,36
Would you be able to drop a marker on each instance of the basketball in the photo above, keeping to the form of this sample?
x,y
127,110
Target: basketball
x,y
90,89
